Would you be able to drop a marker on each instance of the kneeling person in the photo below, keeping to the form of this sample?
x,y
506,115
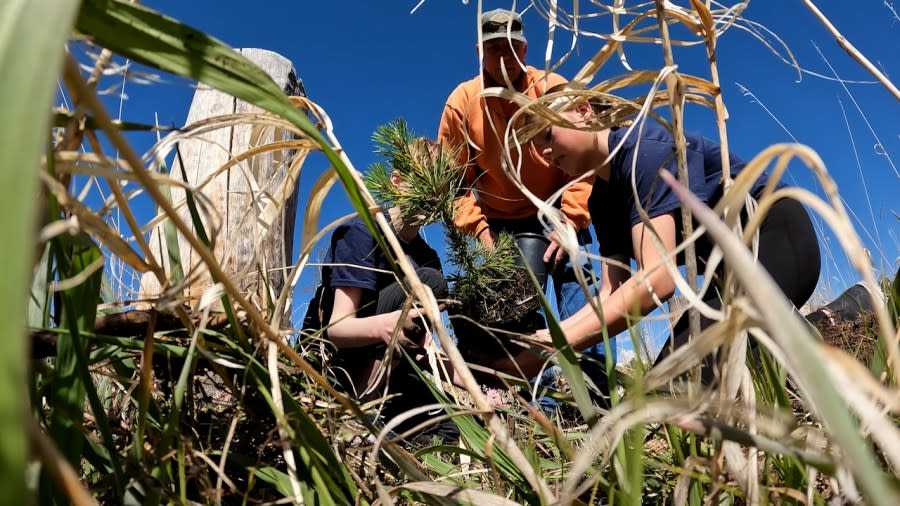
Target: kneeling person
x,y
360,306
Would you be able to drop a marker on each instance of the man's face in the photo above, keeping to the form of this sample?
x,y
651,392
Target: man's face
x,y
504,53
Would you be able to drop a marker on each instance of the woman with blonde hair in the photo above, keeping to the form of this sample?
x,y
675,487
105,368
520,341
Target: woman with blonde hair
x,y
630,204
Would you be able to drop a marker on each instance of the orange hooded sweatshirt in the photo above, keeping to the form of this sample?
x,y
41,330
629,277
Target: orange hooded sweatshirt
x,y
482,122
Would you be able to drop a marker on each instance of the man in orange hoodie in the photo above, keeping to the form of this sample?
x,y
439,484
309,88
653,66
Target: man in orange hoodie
x,y
479,124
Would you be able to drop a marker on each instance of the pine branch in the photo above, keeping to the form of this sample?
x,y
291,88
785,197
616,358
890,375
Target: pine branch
x,y
432,180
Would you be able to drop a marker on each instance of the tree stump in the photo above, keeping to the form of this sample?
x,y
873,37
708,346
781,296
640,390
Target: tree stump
x,y
253,253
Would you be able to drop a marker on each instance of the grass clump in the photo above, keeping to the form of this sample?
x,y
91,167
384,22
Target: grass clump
x,y
216,408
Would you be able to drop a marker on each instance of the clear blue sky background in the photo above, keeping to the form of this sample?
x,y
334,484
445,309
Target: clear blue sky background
x,y
367,63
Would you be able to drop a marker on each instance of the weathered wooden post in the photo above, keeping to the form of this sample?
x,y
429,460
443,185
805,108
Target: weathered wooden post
x,y
254,254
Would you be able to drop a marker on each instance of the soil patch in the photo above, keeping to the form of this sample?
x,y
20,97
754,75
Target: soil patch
x,y
856,337
483,325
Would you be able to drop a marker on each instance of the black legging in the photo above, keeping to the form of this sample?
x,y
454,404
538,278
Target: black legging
x,y
788,250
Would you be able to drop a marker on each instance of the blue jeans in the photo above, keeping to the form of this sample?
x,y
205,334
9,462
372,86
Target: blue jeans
x,y
570,298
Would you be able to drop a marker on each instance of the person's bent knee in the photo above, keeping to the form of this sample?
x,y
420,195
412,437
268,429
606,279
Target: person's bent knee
x,y
433,279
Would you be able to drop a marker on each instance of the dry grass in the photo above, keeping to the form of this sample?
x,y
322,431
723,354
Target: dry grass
x,y
232,412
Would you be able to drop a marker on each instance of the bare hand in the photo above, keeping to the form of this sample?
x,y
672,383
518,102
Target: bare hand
x,y
488,238
410,334
554,254
543,335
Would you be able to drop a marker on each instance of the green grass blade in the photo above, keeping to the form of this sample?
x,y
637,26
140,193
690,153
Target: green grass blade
x,y
793,333
275,477
72,381
67,389
568,361
39,302
32,38
477,438
318,466
171,237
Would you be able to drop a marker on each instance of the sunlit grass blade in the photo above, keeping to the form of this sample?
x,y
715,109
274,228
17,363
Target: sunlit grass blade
x,y
792,334
30,31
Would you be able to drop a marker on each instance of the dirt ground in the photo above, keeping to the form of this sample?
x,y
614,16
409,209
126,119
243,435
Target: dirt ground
x,y
856,337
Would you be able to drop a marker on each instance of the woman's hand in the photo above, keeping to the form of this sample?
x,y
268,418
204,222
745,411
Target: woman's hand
x,y
543,336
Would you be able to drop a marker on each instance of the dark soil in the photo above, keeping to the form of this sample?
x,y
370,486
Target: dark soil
x,y
848,323
513,300
857,337
483,326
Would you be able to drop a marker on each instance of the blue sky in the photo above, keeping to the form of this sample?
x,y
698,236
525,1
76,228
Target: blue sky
x,y
367,63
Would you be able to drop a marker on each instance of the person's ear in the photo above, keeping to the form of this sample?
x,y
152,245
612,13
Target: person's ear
x,y
584,109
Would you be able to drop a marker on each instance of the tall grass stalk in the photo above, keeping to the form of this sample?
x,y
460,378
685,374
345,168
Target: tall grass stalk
x,y
30,32
791,333
733,444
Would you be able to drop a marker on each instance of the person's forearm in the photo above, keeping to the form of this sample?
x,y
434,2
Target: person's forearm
x,y
631,301
351,332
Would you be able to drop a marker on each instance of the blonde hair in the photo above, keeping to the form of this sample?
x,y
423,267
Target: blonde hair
x,y
609,111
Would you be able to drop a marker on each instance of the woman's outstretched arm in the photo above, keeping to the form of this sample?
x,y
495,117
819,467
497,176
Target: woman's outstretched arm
x,y
628,298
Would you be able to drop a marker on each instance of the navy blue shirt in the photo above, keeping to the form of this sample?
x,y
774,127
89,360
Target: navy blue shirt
x,y
354,254
612,204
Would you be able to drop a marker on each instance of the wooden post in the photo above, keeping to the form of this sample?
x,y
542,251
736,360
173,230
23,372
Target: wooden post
x,y
254,254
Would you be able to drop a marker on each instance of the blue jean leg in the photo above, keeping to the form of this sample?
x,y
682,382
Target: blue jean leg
x,y
570,298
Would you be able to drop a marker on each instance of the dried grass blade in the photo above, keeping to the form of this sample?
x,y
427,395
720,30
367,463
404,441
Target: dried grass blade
x,y
92,224
457,493
791,333
317,195
852,51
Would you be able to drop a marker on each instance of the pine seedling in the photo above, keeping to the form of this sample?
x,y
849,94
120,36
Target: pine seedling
x,y
480,268
432,181
431,178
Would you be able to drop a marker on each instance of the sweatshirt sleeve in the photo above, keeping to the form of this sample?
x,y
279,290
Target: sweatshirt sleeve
x,y
575,203
452,134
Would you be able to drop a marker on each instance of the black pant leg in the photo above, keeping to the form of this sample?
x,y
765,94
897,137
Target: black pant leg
x,y
392,297
404,380
788,250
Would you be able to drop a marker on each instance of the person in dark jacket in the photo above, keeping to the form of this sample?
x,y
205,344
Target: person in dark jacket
x,y
360,306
